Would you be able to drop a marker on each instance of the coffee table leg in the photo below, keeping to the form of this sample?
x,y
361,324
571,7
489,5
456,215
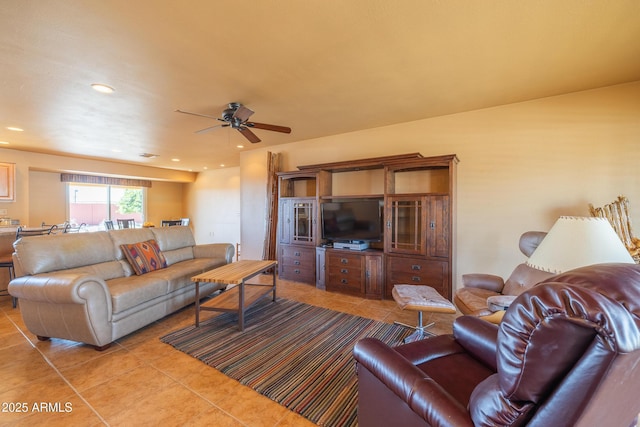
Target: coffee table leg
x,y
241,306
273,269
197,304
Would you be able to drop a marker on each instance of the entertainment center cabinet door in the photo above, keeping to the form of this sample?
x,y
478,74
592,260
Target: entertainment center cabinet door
x,y
374,279
321,268
7,182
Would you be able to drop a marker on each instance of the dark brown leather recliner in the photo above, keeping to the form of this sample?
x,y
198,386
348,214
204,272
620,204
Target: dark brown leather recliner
x,y
567,353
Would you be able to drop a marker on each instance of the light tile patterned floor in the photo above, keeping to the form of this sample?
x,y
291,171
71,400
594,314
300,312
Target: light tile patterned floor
x,y
140,380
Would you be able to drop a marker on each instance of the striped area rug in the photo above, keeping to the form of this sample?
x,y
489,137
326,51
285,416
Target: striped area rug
x,y
295,354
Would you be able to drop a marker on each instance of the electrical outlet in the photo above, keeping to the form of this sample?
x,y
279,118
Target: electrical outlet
x,y
3,211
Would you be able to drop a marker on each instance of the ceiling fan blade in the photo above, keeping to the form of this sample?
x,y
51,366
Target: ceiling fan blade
x,y
246,132
196,114
274,128
210,128
242,113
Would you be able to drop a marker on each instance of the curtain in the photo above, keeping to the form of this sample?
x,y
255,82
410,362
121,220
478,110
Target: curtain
x,y
104,180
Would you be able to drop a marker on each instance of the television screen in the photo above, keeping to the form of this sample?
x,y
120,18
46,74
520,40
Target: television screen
x,y
352,220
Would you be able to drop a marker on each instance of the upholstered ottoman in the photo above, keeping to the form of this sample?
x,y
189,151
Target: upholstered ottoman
x,y
420,298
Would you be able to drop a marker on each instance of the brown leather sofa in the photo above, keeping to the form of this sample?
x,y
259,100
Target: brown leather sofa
x,y
567,353
472,298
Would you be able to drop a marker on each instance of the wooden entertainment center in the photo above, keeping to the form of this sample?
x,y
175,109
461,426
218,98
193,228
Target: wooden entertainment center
x,y
417,201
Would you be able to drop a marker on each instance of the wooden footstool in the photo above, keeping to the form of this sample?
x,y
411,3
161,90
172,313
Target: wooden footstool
x,y
420,298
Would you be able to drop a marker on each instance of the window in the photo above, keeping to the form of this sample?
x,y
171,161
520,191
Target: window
x,y
92,204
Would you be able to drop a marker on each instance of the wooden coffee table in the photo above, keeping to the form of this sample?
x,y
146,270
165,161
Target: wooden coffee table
x,y
241,297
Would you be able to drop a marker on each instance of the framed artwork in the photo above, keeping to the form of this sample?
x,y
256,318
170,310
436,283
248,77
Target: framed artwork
x,y
7,182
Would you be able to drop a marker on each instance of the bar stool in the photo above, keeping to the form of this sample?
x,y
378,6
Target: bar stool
x,y
6,261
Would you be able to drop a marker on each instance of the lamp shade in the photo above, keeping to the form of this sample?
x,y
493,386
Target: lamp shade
x,y
576,242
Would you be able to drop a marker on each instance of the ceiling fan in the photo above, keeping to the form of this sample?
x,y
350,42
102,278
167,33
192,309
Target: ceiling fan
x,y
237,116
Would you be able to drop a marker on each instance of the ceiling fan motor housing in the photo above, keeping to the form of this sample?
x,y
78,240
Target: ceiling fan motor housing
x,y
227,114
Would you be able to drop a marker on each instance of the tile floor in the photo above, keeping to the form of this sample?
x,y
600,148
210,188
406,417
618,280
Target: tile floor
x,y
141,381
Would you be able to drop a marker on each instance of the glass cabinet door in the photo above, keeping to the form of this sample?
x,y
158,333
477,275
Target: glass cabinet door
x,y
303,222
405,225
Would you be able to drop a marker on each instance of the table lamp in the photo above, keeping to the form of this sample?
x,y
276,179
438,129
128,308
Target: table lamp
x,y
576,242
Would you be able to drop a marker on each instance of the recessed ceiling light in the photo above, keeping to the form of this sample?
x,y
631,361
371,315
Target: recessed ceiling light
x,y
175,160
221,165
4,143
239,146
15,129
149,155
102,88
205,168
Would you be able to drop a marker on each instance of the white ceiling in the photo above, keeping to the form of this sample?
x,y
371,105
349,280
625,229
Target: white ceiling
x,y
320,67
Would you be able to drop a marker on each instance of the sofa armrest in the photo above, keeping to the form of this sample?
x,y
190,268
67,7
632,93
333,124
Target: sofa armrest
x,y
60,288
484,281
215,250
65,305
423,395
478,337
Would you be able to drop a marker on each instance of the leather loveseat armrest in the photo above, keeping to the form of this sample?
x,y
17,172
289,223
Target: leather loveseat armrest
x,y
424,396
215,250
478,337
71,306
485,281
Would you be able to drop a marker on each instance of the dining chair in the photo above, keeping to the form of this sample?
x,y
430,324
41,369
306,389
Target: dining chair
x,y
108,224
68,228
126,223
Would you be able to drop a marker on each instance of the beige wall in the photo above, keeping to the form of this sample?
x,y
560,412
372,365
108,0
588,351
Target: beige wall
x,y
521,166
40,195
213,201
165,200
47,199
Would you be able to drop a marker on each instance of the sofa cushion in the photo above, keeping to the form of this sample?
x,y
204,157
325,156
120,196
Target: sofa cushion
x,y
180,274
128,292
42,254
170,238
127,236
178,255
144,256
104,270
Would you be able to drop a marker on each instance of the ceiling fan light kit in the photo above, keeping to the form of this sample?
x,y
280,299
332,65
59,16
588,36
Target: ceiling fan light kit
x,y
237,116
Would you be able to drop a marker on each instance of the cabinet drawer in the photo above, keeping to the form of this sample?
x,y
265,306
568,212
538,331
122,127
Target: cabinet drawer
x,y
344,259
413,271
305,255
306,274
297,263
345,272
349,282
345,275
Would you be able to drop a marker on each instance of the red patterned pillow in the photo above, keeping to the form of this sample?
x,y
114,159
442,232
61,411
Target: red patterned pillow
x,y
144,256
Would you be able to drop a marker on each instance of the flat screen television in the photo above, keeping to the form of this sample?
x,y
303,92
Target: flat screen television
x,y
352,220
